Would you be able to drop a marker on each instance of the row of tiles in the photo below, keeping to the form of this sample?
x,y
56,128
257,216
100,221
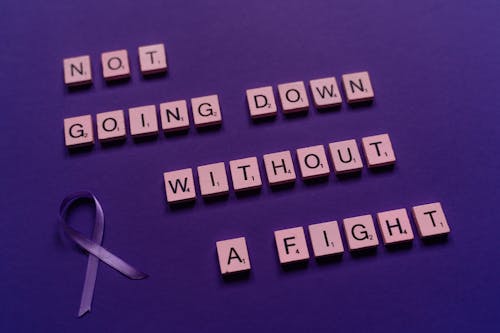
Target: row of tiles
x,y
245,173
143,120
115,65
326,240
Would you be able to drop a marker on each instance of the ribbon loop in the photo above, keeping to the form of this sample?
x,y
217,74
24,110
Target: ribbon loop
x,y
94,248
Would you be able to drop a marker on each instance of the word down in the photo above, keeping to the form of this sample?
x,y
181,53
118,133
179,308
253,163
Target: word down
x,y
115,65
280,169
326,240
325,93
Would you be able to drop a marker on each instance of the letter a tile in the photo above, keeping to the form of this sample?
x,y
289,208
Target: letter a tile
x,y
233,255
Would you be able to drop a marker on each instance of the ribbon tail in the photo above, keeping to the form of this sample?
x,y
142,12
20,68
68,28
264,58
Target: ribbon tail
x,y
118,264
104,255
88,285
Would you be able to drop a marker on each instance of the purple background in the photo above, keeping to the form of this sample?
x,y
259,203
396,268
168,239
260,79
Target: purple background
x,y
434,67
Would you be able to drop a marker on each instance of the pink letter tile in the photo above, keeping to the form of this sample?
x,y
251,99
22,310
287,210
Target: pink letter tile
x,y
395,226
360,232
143,121
291,245
206,111
357,87
279,168
111,126
78,131
378,150
213,179
245,174
174,116
325,239
430,220
179,185
233,255
345,156
313,162
115,65
152,59
77,71
325,92
293,97
261,102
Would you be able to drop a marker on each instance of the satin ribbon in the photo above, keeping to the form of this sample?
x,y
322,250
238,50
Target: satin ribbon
x,y
94,248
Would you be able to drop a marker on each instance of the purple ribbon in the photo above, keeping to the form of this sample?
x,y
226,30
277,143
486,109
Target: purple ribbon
x,y
93,246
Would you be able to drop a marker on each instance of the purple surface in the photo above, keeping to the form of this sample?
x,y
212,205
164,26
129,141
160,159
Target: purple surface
x,y
434,67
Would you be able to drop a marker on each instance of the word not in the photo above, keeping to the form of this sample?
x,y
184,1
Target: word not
x,y
143,121
359,231
325,93
115,65
245,173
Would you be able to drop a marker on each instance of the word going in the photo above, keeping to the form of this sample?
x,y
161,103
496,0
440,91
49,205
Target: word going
x,y
245,173
325,93
143,121
115,65
359,231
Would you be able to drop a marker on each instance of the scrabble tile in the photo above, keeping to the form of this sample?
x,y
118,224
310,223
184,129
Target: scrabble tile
x,y
174,116
115,65
357,87
152,59
279,168
395,226
325,239
245,174
78,131
143,121
213,179
430,220
360,232
293,97
233,255
291,245
179,185
111,126
325,92
345,156
313,162
378,150
206,111
261,102
77,71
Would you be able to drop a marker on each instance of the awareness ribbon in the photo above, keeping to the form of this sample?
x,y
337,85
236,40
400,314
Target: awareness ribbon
x,y
94,248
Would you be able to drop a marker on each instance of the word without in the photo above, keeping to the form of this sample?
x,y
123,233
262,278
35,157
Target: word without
x,y
245,173
115,65
359,231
